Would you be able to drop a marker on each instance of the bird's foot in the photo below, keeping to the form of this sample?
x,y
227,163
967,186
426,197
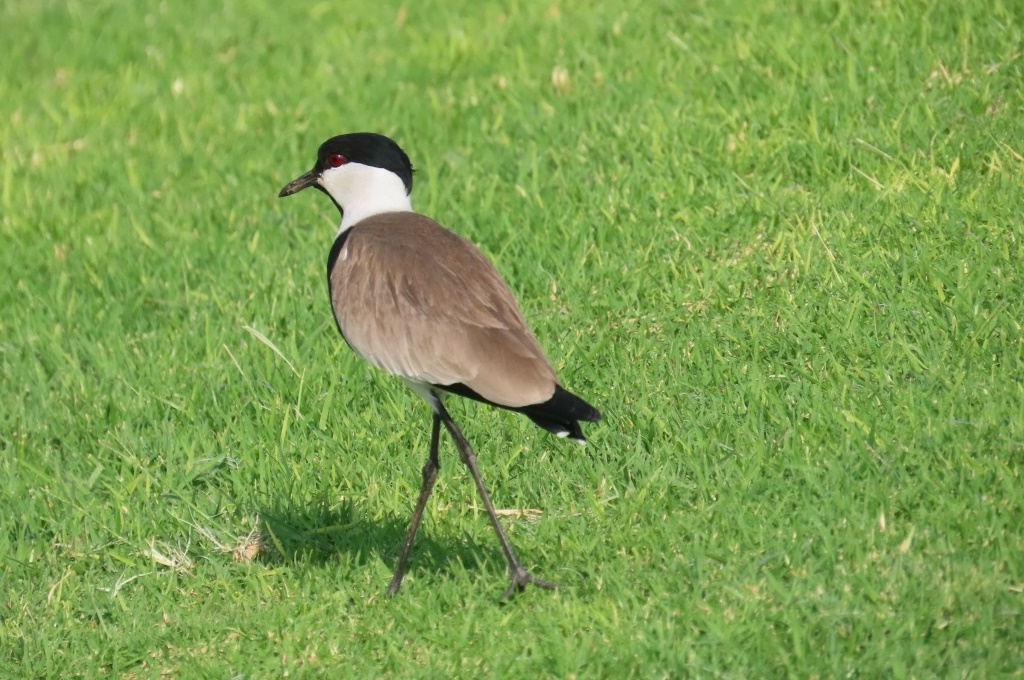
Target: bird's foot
x,y
522,578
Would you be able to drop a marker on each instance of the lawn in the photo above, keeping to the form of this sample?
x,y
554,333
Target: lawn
x,y
780,247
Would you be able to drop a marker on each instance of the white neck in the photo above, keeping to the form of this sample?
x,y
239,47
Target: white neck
x,y
363,191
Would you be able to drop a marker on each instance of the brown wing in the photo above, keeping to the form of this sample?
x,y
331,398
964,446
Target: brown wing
x,y
418,301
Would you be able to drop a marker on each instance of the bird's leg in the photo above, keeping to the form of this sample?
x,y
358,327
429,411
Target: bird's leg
x,y
520,577
429,476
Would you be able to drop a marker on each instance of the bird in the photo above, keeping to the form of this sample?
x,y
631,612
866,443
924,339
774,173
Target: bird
x,y
422,303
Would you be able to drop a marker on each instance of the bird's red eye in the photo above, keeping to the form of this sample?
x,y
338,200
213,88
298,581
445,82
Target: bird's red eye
x,y
335,159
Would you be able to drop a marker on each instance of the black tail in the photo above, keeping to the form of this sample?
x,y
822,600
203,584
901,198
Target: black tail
x,y
561,414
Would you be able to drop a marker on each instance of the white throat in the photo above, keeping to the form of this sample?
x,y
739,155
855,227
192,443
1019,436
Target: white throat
x,y
363,191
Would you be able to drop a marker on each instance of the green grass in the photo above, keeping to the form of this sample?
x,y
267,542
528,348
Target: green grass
x,y
780,249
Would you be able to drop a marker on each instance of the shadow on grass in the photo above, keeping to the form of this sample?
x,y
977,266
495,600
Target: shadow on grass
x,y
320,534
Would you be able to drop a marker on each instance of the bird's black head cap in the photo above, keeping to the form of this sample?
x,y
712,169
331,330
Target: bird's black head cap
x,y
368,148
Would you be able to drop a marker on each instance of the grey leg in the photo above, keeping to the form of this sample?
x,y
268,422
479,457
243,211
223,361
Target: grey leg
x,y
429,477
520,577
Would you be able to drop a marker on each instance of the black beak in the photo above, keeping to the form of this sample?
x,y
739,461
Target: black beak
x,y
300,183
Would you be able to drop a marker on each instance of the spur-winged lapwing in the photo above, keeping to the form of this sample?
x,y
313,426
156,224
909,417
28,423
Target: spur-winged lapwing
x,y
416,300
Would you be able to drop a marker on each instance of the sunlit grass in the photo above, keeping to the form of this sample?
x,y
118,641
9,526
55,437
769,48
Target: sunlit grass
x,y
778,248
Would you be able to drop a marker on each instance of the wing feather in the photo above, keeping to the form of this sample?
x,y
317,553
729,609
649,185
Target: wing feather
x,y
421,302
